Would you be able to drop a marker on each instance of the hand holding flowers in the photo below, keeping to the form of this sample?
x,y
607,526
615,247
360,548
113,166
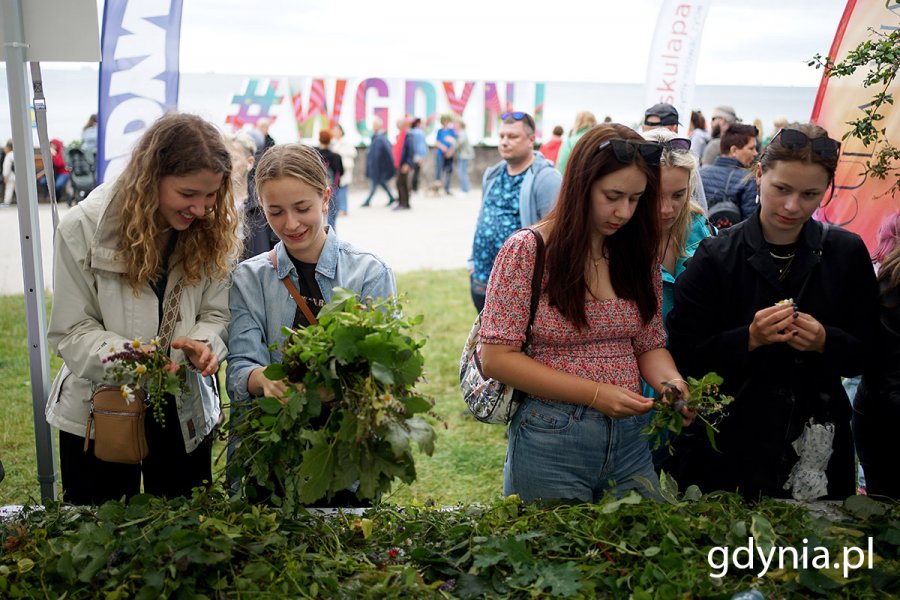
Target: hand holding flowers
x,y
147,366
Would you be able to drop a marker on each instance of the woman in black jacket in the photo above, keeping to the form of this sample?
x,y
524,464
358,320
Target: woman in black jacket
x,y
877,407
781,307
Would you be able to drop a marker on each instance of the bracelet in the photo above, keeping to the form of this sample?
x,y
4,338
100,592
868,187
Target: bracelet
x,y
594,399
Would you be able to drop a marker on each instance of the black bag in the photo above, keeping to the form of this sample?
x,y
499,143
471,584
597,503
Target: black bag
x,y
723,209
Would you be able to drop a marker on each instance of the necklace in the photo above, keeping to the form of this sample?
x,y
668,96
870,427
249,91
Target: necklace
x,y
603,257
783,263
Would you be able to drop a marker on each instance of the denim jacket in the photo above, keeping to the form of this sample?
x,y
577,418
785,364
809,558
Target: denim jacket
x,y
261,306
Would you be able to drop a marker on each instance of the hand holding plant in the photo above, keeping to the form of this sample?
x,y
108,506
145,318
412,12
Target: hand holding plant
x,y
705,401
146,366
348,411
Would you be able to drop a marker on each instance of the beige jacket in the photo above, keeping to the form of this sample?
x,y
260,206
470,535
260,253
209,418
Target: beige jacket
x,y
94,309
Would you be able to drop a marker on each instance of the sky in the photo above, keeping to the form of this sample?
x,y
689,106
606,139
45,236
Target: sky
x,y
755,42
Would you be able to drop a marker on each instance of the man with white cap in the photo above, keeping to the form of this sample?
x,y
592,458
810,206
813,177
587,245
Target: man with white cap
x,y
723,117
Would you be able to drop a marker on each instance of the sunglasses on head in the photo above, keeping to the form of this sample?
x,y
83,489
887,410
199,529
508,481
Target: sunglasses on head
x,y
624,151
519,116
793,139
678,145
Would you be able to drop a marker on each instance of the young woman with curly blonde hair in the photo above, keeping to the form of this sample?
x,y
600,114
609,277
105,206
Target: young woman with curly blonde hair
x,y
168,222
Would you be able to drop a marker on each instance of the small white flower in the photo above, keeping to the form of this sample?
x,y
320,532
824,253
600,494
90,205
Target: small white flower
x,y
127,393
135,344
140,370
154,342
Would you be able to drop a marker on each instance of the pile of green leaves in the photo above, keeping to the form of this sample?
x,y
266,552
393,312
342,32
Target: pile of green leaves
x,y
364,357
706,401
214,547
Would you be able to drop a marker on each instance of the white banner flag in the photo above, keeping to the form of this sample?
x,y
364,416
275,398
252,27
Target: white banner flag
x,y
672,66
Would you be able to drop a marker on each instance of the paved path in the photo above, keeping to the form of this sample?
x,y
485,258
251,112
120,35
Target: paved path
x,y
435,234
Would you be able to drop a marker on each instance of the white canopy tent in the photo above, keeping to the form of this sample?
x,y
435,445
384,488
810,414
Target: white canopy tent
x,y
35,31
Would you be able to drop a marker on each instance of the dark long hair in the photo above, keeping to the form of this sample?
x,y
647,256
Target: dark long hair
x,y
633,262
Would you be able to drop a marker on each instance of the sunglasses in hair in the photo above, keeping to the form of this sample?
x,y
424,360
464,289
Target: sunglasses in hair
x,y
678,145
794,139
624,151
519,116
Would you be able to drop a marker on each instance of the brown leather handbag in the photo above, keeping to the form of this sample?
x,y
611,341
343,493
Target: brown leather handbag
x,y
118,425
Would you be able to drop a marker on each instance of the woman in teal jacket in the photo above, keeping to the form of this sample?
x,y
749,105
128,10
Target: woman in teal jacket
x,y
682,221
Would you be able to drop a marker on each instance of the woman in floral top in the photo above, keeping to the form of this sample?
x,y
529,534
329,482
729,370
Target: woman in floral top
x,y
597,331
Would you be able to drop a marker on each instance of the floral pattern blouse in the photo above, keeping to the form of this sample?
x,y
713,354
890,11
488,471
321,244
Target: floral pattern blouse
x,y
606,351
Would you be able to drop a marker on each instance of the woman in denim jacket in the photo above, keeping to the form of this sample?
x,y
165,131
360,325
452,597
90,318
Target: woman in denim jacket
x,y
292,187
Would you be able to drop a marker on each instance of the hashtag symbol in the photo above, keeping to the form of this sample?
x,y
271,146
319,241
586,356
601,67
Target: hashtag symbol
x,y
253,105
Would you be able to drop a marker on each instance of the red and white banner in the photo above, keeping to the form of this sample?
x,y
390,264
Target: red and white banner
x,y
860,203
672,66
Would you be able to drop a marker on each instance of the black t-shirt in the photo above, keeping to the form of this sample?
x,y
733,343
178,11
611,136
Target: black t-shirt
x,y
783,257
159,285
309,290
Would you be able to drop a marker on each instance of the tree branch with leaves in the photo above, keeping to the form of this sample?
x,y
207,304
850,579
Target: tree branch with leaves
x,y
880,56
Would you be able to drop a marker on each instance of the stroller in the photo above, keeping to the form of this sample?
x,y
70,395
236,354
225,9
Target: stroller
x,y
81,174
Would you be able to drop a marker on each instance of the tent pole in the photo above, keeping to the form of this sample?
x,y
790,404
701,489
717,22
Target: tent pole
x,y
30,239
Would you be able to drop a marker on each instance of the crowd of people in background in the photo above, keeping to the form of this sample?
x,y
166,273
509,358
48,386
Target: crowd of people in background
x,y
663,257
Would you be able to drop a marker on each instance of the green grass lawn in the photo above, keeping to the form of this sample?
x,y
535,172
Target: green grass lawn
x,y
467,465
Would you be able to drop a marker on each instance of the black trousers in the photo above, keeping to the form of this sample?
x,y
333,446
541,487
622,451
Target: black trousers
x,y
403,189
168,471
415,176
873,433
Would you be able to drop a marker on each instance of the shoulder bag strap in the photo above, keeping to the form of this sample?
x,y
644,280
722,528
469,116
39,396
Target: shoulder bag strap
x,y
728,183
171,311
292,290
535,282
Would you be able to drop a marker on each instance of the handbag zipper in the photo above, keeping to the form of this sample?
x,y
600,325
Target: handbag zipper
x,y
115,412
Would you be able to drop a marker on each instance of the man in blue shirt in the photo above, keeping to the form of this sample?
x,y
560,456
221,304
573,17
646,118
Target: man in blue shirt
x,y
516,192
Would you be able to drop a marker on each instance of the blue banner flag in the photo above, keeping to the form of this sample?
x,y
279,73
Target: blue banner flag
x,y
138,75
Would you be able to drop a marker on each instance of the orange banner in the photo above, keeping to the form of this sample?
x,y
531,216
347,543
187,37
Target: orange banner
x,y
860,203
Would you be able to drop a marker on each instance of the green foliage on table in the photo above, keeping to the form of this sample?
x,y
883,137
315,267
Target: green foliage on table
x,y
366,358
627,547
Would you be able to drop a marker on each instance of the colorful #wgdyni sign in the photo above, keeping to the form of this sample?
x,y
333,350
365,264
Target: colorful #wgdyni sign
x,y
316,103
859,203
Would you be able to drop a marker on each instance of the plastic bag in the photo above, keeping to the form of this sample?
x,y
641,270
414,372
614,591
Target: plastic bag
x,y
807,480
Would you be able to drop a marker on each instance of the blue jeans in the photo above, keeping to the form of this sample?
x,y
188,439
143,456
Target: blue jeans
x,y
463,175
478,289
560,451
443,169
851,384
341,198
373,186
